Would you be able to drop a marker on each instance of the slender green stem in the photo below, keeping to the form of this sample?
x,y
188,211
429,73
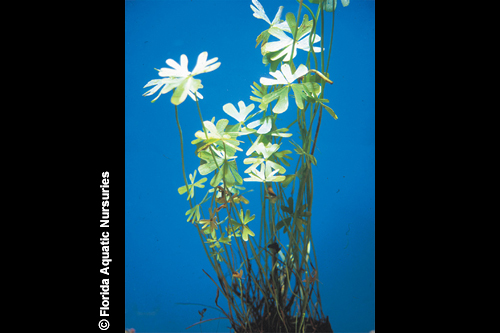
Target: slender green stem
x,y
182,152
322,39
323,82
295,32
185,180
205,131
313,32
331,42
273,281
317,129
201,117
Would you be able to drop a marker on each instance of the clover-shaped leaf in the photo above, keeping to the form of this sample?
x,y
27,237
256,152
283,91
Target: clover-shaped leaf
x,y
228,170
258,161
239,116
266,150
240,199
282,155
265,124
245,219
260,91
228,173
233,230
191,187
216,134
217,254
210,223
321,101
178,77
286,78
286,43
246,232
265,174
281,132
260,13
216,242
300,151
194,213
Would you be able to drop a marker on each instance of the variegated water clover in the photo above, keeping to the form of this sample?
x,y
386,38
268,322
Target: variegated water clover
x,y
191,187
240,116
265,123
216,147
181,79
228,240
285,78
259,12
285,48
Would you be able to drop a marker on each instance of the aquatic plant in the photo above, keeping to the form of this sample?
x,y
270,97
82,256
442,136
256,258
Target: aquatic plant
x,y
270,283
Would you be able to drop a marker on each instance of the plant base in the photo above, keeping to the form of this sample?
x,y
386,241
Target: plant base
x,y
311,326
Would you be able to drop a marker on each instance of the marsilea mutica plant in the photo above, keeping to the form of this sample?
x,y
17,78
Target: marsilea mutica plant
x,y
271,279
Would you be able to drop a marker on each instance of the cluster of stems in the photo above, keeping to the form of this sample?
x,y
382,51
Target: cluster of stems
x,y
273,277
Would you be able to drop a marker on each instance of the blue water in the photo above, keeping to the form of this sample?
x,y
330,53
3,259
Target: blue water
x,y
163,255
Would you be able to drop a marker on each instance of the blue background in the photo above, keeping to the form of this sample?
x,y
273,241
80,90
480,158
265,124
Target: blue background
x,y
163,255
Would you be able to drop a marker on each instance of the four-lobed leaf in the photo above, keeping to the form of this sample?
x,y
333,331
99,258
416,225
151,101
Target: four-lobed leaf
x,y
215,134
178,77
239,116
267,173
245,218
286,78
285,43
191,187
259,12
215,143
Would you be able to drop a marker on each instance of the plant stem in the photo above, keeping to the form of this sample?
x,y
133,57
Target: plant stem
x,y
327,66
205,130
317,129
296,27
331,42
182,152
185,182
